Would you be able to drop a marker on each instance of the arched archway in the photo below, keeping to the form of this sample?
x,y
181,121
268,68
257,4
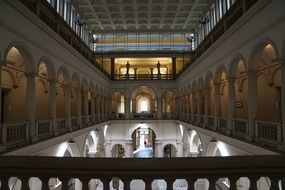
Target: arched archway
x,y
143,102
118,105
265,79
168,104
143,141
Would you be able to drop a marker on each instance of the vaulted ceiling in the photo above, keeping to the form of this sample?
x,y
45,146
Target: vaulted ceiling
x,y
142,15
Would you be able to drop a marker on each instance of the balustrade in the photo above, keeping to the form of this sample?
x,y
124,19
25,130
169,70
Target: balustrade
x,y
210,122
268,132
62,125
212,169
222,124
168,115
201,121
143,115
14,134
44,128
240,127
83,121
74,123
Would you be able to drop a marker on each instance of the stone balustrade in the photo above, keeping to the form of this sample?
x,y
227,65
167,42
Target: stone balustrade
x,y
212,169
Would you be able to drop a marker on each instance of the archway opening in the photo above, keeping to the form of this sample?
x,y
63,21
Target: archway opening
x,y
143,142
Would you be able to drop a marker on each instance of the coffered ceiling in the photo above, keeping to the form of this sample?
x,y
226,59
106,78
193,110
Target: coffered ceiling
x,y
141,15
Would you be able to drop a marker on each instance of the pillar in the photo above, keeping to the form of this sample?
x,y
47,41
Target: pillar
x,y
207,102
252,104
31,105
231,105
133,106
85,102
174,67
92,107
179,152
79,104
52,105
107,149
67,106
192,105
217,104
127,107
283,97
159,107
112,68
135,69
151,73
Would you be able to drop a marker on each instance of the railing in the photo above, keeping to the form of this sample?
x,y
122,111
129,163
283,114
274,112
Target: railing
x,y
222,124
74,123
118,116
195,119
201,121
97,118
143,115
240,127
44,128
62,125
144,77
210,169
90,120
83,121
168,116
210,122
268,132
14,134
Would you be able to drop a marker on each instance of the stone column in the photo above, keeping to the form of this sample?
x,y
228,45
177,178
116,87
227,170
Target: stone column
x,y
134,106
31,105
217,104
135,69
159,107
174,67
179,152
252,104
112,67
159,149
92,107
187,106
127,107
79,104
207,102
151,73
67,106
52,105
231,105
283,97
192,105
107,149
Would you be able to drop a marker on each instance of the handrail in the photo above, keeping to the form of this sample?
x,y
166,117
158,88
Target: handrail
x,y
170,168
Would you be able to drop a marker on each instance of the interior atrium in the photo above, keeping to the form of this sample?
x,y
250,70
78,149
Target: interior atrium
x,y
142,94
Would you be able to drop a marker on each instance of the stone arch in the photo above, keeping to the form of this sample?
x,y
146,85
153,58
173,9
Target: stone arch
x,y
90,145
63,73
253,62
234,69
49,67
25,52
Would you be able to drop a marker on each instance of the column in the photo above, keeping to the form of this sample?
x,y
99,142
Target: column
x,y
127,107
129,151
151,73
79,105
159,107
92,107
207,102
217,104
135,69
107,149
199,104
252,104
67,107
133,106
283,97
112,68
174,67
31,105
159,149
52,105
179,148
192,105
187,107
231,104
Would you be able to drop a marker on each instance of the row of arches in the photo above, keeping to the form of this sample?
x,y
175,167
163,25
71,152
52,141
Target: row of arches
x,y
245,91
39,94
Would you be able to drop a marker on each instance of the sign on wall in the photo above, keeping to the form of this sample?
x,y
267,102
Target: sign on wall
x,y
238,104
